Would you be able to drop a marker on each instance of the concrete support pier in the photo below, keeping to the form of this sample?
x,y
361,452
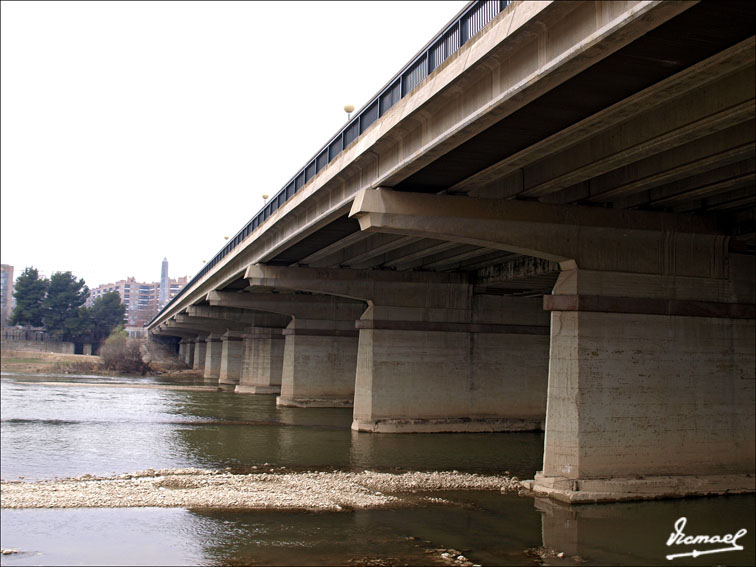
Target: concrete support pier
x,y
231,359
319,361
262,364
485,375
213,354
189,357
320,347
199,353
651,361
478,363
649,397
182,349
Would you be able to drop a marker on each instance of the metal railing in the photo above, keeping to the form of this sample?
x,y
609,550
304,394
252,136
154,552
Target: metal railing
x,y
465,25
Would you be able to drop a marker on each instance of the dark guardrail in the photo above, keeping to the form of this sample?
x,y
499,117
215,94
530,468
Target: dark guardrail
x,y
468,22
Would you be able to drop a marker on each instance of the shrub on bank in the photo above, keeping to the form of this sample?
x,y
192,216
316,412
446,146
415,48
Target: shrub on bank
x,y
122,354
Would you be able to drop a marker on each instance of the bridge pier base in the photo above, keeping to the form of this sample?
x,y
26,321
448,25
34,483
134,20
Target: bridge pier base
x,y
199,353
213,351
318,364
182,350
648,397
189,356
262,362
231,360
419,372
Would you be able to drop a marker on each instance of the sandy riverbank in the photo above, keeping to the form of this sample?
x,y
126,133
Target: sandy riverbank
x,y
195,488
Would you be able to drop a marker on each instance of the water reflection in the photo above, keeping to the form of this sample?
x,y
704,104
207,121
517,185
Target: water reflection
x,y
635,533
62,430
488,528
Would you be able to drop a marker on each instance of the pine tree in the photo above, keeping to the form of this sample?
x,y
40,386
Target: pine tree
x,y
64,314
106,314
29,293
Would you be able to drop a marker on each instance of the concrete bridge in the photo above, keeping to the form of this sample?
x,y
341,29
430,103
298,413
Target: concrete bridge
x,y
546,220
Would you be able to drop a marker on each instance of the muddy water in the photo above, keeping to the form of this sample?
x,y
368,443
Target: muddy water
x,y
63,430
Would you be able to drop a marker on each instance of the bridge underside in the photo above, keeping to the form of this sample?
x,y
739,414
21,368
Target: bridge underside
x,y
580,259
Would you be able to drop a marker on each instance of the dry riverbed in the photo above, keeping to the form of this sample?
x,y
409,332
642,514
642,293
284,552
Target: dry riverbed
x,y
272,489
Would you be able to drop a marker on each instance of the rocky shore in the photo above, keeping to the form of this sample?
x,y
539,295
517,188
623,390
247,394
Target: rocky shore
x,y
271,489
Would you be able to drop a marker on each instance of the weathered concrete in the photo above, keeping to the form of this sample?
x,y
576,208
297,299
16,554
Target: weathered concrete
x,y
529,50
199,353
479,363
319,359
479,376
262,365
189,354
643,389
680,137
231,359
320,348
213,354
651,349
630,241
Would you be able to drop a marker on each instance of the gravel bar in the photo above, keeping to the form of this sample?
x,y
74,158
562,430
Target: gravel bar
x,y
196,488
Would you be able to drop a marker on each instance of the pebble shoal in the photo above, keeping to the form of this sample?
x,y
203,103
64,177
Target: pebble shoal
x,y
197,488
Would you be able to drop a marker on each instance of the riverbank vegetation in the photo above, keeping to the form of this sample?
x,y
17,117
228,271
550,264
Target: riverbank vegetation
x,y
57,305
154,359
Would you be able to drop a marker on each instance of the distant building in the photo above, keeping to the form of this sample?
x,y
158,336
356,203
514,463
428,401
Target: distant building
x,y
6,293
142,300
164,292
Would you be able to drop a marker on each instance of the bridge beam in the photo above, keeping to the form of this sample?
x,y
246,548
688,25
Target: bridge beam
x,y
651,367
478,363
595,238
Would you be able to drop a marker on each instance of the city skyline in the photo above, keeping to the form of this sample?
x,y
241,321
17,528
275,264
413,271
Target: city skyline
x,y
18,270
143,299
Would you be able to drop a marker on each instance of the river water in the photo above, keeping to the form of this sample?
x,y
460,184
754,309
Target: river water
x,y
74,425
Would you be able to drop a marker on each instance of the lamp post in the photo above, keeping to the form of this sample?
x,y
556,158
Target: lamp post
x,y
349,108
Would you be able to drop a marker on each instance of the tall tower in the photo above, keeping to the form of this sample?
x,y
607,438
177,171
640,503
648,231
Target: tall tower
x,y
165,285
6,293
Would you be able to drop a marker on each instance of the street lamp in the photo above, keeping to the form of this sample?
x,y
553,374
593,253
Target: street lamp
x,y
349,108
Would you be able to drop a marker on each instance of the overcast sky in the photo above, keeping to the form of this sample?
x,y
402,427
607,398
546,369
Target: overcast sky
x,y
133,131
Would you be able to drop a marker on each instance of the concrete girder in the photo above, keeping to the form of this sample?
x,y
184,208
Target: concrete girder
x,y
548,50
674,165
215,325
426,289
412,254
720,65
177,332
405,261
360,254
209,312
248,317
324,255
562,170
331,249
456,259
745,180
562,59
604,239
294,305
